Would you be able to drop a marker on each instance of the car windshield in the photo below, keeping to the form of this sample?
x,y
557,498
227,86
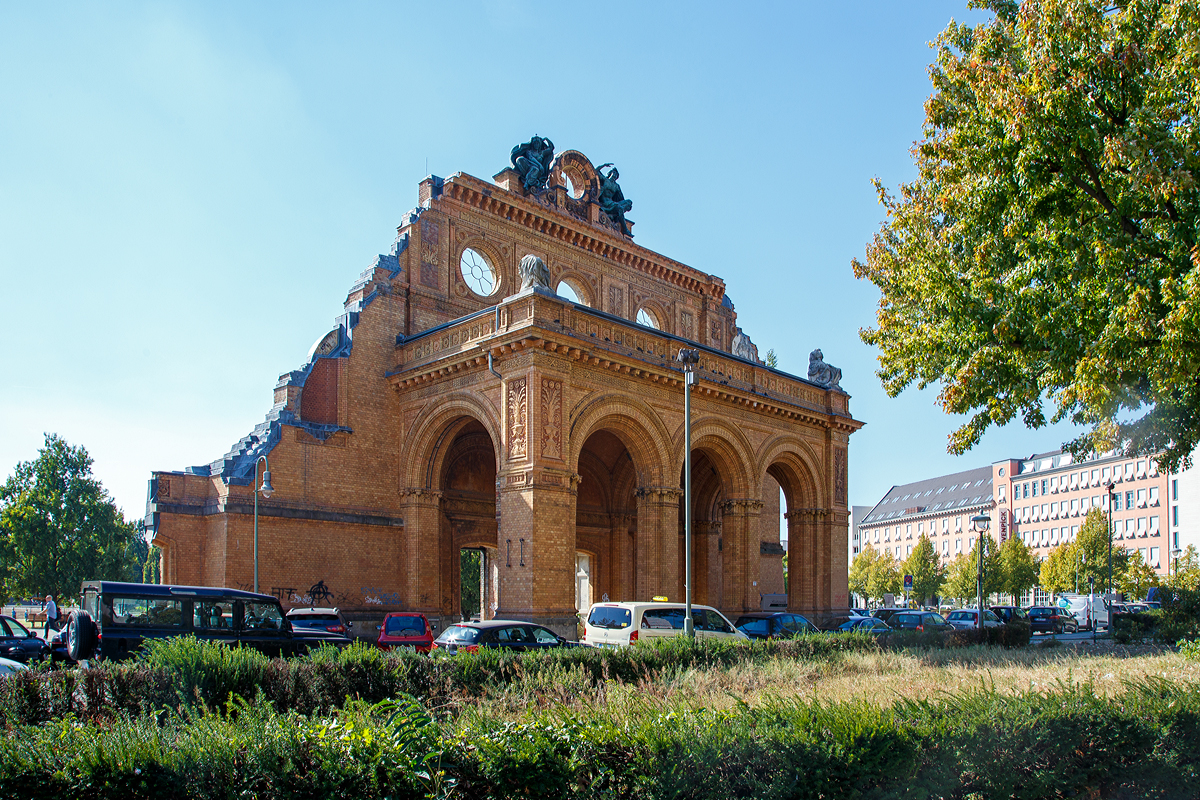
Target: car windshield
x,y
306,617
756,625
460,633
609,617
404,626
961,615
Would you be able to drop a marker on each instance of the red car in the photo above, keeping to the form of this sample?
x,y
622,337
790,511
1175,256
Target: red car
x,y
406,630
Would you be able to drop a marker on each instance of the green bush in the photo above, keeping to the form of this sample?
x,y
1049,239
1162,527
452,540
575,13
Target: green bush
x,y
1069,742
1012,634
1189,650
1134,628
185,673
1179,615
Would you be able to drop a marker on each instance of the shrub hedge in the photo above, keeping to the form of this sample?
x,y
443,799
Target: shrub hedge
x,y
186,673
1070,742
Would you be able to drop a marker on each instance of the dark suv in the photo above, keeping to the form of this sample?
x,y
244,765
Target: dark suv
x,y
115,618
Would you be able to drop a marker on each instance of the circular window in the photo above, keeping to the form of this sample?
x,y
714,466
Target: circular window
x,y
646,317
568,292
477,272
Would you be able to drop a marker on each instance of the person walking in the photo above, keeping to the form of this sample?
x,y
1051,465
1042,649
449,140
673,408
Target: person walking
x,y
51,616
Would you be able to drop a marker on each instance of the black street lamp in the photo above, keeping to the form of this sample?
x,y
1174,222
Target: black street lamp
x,y
1111,501
265,489
689,359
980,523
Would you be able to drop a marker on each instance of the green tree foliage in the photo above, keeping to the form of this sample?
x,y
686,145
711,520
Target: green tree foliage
x,y
1137,577
772,359
152,565
1185,574
1045,263
960,578
874,573
1020,567
1057,574
468,561
926,568
58,526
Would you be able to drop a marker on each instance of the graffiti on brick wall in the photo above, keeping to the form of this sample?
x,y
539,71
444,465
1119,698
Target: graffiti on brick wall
x,y
379,596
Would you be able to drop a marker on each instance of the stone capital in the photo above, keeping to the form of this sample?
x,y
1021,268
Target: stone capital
x,y
417,496
806,514
660,494
741,505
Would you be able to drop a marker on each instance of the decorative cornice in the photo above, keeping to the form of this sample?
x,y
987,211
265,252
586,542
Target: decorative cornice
x,y
741,505
489,198
660,494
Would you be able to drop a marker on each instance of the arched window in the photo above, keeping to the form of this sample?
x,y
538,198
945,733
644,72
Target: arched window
x,y
648,318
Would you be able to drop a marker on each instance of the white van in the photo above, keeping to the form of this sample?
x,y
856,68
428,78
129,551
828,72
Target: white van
x,y
1090,610
623,624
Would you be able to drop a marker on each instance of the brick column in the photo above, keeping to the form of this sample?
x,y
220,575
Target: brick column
x,y
839,567
739,528
802,540
421,568
657,570
703,532
537,548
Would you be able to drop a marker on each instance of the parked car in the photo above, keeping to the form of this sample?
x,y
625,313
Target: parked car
x,y
1090,611
623,624
1050,619
1010,614
406,630
8,666
21,644
867,624
886,614
1136,608
919,621
503,634
773,625
326,619
115,618
968,619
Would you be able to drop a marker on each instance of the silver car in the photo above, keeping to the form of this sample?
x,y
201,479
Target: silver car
x,y
968,618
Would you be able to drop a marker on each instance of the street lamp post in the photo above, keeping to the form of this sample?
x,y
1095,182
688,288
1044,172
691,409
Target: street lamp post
x,y
1111,502
266,489
980,523
689,359
1177,553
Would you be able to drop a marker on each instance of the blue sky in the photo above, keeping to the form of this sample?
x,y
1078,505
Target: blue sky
x,y
188,190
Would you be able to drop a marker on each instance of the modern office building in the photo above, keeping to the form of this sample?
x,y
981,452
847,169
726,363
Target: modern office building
x,y
1043,499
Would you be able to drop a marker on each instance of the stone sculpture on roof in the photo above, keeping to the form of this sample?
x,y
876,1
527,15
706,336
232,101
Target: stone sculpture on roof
x,y
532,162
822,373
611,200
534,273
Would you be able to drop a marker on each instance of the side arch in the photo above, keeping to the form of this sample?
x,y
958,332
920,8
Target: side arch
x,y
727,441
435,426
632,421
793,462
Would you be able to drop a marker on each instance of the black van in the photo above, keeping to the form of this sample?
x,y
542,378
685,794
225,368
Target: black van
x,y
114,619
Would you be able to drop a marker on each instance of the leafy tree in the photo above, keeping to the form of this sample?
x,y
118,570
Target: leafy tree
x,y
1020,567
874,573
1045,261
152,565
1186,574
58,526
926,568
1137,577
1057,574
960,578
1091,546
468,561
772,359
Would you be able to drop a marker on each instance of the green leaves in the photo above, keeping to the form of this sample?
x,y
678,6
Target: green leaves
x,y
1044,263
58,527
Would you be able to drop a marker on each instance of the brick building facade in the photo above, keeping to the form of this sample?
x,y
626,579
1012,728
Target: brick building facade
x,y
451,408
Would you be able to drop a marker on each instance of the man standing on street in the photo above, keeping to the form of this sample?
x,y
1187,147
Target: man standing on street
x,y
51,615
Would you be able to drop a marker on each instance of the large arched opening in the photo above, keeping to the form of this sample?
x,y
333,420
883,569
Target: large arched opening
x,y
606,512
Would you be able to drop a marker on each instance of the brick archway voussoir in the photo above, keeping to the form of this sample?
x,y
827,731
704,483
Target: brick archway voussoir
x,y
425,447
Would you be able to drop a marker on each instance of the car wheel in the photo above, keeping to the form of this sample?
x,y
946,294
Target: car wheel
x,y
81,635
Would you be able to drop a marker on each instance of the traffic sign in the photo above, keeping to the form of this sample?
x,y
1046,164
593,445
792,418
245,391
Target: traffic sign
x,y
908,583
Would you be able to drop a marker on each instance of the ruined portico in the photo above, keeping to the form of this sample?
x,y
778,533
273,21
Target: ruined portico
x,y
441,413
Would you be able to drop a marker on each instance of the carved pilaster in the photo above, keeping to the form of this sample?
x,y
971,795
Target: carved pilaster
x,y
516,404
552,418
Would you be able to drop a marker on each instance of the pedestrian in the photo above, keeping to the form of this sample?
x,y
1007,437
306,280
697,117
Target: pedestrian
x,y
52,621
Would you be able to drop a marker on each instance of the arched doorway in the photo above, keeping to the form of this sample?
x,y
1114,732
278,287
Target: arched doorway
x,y
606,518
468,513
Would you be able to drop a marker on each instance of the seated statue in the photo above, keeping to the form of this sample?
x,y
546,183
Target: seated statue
x,y
532,162
534,273
611,200
822,373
